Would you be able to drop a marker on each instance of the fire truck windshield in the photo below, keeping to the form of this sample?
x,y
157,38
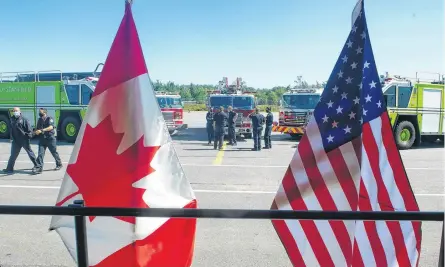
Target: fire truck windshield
x,y
217,101
300,101
243,102
169,102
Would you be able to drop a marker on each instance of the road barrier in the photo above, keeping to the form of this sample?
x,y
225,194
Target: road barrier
x,y
80,212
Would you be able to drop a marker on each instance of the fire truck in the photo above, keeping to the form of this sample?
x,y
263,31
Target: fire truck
x,y
296,108
65,95
242,101
415,107
172,110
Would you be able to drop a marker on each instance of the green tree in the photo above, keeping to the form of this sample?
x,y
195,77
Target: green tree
x,y
185,93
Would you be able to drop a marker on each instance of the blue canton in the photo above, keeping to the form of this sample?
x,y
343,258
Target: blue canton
x,y
353,94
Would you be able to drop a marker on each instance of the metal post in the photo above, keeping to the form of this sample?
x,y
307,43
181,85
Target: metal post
x,y
81,237
441,248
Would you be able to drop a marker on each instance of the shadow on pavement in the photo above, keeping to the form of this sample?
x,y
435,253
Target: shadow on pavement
x,y
12,177
19,171
34,141
198,149
197,134
191,134
34,180
240,149
429,145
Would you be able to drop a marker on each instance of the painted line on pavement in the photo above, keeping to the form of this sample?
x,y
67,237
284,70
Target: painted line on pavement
x,y
220,155
218,164
195,190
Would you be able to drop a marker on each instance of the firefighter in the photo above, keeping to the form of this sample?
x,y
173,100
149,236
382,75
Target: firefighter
x,y
45,130
257,128
209,125
268,129
233,116
220,119
20,133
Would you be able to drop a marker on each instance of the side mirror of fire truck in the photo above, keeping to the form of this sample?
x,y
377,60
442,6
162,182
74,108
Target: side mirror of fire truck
x,y
280,102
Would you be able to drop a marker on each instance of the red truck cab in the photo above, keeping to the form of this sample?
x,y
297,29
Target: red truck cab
x,y
172,110
297,108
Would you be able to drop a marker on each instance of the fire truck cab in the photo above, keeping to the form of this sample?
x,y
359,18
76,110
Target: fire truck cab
x,y
172,110
296,109
416,108
242,102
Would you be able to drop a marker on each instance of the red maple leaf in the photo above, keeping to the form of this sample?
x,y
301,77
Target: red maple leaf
x,y
105,178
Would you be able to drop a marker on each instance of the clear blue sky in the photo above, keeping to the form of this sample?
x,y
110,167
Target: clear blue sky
x,y
266,43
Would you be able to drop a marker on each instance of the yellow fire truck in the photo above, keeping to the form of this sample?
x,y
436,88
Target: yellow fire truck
x,y
416,109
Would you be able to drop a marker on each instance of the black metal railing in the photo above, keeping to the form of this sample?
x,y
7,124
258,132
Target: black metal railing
x,y
80,212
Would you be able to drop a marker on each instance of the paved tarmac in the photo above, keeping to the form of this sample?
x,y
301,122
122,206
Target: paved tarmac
x,y
236,178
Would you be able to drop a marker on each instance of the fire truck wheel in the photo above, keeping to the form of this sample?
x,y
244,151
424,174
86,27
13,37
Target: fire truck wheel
x,y
70,128
405,134
4,127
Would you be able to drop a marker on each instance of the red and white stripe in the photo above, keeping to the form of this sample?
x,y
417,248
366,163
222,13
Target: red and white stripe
x,y
366,174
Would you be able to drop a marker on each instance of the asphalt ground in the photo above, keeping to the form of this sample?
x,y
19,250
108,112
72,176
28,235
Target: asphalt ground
x,y
235,178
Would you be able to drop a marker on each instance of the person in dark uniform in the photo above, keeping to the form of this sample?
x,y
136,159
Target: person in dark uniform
x,y
257,128
268,129
233,116
209,125
20,133
220,119
45,130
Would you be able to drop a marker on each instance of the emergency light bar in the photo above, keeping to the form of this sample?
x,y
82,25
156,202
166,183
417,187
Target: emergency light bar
x,y
308,90
90,79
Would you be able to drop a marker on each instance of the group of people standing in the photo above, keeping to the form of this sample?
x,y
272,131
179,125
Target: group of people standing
x,y
21,134
216,121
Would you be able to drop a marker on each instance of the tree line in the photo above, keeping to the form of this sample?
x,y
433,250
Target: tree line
x,y
199,92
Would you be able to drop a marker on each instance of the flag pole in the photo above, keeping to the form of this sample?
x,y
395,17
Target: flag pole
x,y
441,261
81,236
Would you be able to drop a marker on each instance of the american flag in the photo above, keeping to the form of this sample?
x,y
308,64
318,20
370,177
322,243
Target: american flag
x,y
347,160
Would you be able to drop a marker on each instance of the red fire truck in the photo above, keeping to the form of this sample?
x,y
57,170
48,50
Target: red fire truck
x,y
296,109
172,110
243,103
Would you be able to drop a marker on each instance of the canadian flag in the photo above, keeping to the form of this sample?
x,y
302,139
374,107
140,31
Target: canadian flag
x,y
124,157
